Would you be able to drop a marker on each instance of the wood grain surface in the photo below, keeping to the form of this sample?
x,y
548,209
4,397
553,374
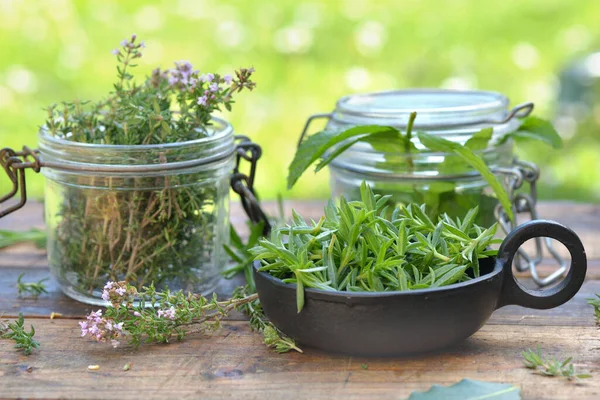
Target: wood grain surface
x,y
233,363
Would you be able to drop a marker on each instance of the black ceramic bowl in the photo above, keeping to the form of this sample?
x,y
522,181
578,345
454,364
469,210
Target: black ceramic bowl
x,y
397,323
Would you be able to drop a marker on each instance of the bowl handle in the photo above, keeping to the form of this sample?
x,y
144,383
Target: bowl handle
x,y
514,293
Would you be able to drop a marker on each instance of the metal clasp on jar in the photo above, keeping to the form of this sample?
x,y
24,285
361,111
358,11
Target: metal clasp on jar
x,y
15,163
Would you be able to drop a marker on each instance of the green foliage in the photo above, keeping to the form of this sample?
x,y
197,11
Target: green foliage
x,y
437,143
468,389
551,366
357,247
16,331
538,129
34,289
10,238
239,252
595,302
165,235
151,316
272,336
316,145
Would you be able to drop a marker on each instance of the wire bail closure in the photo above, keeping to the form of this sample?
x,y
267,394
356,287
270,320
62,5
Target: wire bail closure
x,y
15,163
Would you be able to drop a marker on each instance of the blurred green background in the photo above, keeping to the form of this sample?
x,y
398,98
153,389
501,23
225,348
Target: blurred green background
x,y
307,55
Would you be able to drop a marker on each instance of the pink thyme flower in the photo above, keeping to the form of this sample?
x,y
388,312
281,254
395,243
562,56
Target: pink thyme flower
x,y
214,87
115,343
115,51
121,291
84,328
207,77
137,314
109,285
227,79
108,325
119,327
124,42
202,100
105,295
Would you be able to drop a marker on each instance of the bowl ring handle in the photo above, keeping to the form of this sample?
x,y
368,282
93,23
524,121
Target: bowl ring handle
x,y
514,293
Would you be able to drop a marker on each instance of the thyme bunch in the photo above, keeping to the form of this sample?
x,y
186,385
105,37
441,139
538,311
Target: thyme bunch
x,y
356,246
551,366
34,289
16,331
160,229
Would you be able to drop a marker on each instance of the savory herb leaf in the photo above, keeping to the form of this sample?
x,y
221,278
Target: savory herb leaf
x,y
437,143
537,129
316,145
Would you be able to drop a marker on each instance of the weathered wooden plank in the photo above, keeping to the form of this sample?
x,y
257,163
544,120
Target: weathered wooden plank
x,y
232,363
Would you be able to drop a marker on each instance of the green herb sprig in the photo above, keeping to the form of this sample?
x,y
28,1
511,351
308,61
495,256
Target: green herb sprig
x,y
357,247
272,336
327,145
163,316
16,331
10,238
33,289
551,366
595,302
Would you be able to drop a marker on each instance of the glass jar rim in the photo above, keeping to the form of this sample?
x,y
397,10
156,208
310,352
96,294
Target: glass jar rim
x,y
224,130
436,108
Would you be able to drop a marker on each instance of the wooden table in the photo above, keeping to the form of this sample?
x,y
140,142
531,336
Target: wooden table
x,y
233,362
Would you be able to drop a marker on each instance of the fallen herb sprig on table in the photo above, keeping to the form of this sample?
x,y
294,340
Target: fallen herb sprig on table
x,y
595,302
551,366
33,289
355,247
151,316
16,331
36,236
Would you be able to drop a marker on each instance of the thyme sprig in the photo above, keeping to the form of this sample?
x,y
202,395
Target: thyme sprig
x,y
33,289
273,337
16,331
357,247
551,366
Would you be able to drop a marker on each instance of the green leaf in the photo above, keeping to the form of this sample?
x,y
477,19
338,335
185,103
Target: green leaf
x,y
537,129
469,389
480,140
391,135
316,145
437,143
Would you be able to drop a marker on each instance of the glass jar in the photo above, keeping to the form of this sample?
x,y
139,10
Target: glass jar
x,y
146,214
441,181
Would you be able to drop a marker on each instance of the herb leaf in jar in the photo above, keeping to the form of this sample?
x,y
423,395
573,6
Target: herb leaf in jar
x,y
357,247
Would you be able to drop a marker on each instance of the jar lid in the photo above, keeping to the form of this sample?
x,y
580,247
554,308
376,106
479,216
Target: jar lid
x,y
436,108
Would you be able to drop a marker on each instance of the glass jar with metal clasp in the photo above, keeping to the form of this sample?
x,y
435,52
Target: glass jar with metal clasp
x,y
145,214
441,181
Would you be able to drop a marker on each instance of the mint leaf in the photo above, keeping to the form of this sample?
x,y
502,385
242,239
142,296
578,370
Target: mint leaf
x,y
480,140
538,129
316,145
437,143
468,389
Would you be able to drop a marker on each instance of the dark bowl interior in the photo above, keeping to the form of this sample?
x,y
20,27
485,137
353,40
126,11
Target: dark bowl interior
x,y
383,323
